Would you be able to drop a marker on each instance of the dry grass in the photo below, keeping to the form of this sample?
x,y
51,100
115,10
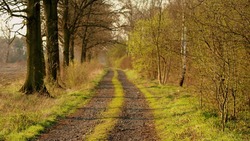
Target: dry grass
x,y
24,116
77,75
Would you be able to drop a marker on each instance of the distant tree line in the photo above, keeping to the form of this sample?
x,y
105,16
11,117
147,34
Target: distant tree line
x,y
15,52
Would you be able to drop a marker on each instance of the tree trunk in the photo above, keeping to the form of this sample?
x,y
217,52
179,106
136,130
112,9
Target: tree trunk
x,y
183,47
7,54
90,56
72,49
159,65
168,70
84,39
35,61
159,68
66,33
51,15
184,59
84,51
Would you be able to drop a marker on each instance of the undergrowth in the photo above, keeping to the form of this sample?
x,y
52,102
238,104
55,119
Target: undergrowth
x,y
22,117
177,116
109,119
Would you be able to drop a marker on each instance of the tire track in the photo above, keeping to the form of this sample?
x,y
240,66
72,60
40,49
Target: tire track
x,y
84,120
136,123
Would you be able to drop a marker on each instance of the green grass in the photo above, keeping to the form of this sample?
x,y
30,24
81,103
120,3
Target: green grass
x,y
22,117
109,117
177,116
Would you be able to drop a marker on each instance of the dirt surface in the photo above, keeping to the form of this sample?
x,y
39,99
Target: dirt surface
x,y
83,121
136,121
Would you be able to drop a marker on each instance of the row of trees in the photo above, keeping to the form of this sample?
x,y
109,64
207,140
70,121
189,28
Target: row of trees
x,y
63,22
206,42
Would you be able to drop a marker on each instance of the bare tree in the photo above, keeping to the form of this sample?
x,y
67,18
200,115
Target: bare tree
x,y
70,20
97,27
6,30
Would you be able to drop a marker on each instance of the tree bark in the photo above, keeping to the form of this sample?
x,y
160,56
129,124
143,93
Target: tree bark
x,y
183,46
72,49
35,61
159,68
7,54
184,57
66,33
84,38
51,15
84,51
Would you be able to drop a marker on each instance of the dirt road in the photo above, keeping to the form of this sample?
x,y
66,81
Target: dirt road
x,y
135,122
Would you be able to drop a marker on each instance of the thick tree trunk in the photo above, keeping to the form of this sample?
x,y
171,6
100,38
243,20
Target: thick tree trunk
x,y
50,7
66,33
35,61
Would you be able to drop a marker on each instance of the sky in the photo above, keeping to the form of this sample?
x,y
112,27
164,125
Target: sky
x,y
15,22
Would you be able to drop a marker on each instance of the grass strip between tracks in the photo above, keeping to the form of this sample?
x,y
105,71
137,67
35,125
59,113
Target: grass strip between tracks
x,y
109,117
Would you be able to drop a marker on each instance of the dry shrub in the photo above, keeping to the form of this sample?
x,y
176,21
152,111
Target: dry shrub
x,y
126,63
77,75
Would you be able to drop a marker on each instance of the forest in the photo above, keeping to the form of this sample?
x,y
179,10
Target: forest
x,y
124,70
